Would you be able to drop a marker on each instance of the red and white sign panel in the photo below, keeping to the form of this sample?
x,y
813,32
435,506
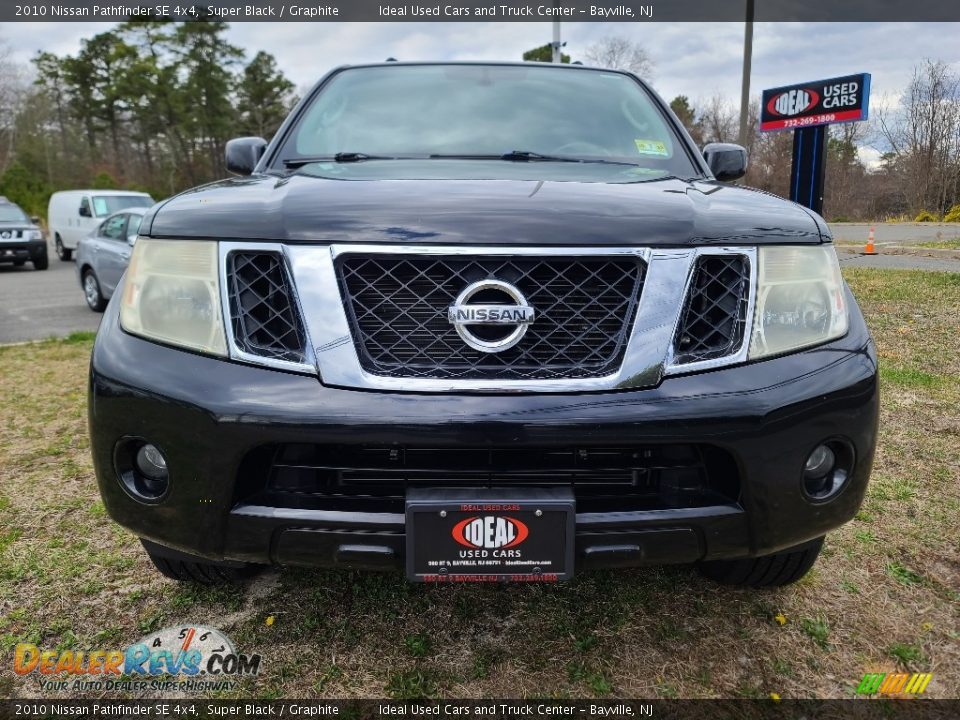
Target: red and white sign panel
x,y
822,102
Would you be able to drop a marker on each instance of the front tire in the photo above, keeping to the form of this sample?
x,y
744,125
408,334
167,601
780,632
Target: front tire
x,y
184,567
42,262
63,253
775,570
91,292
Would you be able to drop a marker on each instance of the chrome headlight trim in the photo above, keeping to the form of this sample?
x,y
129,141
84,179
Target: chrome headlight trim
x,y
672,367
309,364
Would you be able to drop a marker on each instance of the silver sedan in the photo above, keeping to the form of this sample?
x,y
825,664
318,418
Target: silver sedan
x,y
102,256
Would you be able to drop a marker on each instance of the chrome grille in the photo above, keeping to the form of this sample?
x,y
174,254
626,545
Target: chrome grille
x,y
715,312
397,309
263,316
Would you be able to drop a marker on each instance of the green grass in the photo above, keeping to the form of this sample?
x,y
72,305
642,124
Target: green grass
x,y
418,645
817,629
953,244
909,377
903,575
906,654
413,684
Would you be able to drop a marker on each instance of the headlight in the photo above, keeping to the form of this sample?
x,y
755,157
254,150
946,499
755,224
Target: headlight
x,y
172,294
34,235
800,300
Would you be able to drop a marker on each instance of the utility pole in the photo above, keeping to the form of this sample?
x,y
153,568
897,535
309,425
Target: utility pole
x,y
745,85
556,40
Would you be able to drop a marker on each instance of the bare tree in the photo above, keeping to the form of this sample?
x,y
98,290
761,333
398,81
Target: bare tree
x,y
619,53
844,195
13,89
770,157
924,134
719,120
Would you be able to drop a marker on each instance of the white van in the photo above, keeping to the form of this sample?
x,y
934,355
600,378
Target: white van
x,y
73,214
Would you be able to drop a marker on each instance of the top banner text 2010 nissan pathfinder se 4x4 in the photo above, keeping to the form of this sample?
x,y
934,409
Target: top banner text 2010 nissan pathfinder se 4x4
x,y
483,322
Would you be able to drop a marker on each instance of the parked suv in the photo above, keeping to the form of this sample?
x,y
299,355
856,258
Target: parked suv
x,y
483,322
21,238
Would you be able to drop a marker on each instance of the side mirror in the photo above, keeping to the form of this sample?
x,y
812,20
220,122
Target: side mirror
x,y
35,219
727,161
85,211
132,240
244,153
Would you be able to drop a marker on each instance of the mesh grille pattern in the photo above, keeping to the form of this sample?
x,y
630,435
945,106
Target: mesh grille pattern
x,y
264,319
397,305
715,313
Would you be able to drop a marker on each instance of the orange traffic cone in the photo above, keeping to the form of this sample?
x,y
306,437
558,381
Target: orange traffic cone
x,y
869,249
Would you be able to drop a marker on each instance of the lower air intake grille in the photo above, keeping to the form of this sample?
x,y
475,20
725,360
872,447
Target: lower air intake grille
x,y
715,313
397,306
262,313
376,479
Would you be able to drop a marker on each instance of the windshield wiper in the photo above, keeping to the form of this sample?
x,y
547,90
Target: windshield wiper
x,y
531,156
528,155
340,157
660,178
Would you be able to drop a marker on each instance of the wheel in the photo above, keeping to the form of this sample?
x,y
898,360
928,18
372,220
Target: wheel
x,y
63,253
41,263
781,568
184,567
91,292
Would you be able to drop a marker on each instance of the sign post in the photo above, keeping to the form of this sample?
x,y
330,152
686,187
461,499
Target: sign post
x,y
807,109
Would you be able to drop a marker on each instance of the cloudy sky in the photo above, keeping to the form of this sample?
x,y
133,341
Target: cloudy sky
x,y
694,59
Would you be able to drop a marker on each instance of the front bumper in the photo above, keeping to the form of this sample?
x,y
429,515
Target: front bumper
x,y
208,415
22,251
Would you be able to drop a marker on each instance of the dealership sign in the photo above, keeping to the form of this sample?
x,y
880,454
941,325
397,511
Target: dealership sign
x,y
824,102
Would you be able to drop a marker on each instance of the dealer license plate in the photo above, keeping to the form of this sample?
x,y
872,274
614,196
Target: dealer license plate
x,y
490,535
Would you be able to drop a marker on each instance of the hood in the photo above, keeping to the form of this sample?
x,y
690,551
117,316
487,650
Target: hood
x,y
307,208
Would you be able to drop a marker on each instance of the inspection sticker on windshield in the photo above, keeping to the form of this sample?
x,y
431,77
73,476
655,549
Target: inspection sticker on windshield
x,y
652,147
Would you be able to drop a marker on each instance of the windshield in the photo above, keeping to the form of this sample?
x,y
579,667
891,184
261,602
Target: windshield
x,y
109,204
10,213
467,110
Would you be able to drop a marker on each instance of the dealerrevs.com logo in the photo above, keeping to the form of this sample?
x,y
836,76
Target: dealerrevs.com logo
x,y
178,658
490,532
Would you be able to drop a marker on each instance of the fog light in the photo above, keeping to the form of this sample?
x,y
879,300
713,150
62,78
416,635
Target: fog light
x,y
141,469
150,462
827,469
820,462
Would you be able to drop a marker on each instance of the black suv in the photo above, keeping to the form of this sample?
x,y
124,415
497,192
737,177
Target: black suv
x,y
21,238
483,322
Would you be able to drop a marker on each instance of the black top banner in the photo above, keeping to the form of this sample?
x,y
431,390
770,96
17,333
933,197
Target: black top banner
x,y
481,11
